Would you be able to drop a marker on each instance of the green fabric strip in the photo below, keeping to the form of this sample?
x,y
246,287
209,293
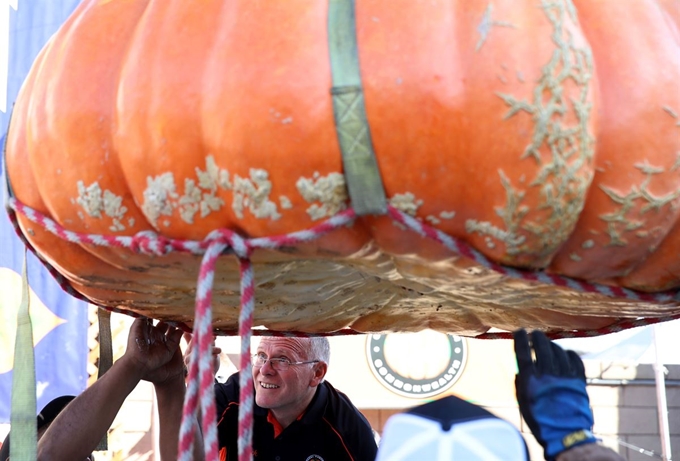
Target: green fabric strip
x,y
354,135
24,436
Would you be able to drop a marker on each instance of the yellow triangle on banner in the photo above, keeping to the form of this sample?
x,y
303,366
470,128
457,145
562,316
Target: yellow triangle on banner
x,y
43,319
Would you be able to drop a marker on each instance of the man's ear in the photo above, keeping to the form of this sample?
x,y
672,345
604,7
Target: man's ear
x,y
320,370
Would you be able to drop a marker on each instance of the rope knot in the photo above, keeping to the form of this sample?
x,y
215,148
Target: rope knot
x,y
150,243
240,246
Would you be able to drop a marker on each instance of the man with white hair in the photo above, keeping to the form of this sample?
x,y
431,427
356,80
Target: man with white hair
x,y
297,414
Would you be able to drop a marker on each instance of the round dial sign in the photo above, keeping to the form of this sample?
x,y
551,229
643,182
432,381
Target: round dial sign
x,y
416,365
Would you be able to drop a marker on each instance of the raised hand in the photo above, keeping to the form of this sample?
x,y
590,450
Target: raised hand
x,y
155,350
216,351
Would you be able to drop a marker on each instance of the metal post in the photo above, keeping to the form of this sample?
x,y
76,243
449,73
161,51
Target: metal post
x,y
662,407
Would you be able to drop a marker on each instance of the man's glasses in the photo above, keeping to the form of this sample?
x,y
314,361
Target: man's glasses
x,y
277,364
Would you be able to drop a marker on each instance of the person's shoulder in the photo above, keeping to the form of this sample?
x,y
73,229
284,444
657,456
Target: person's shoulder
x,y
340,405
233,380
349,422
4,449
336,397
229,390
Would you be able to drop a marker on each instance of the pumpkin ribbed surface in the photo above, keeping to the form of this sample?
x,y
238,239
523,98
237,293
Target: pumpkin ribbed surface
x,y
545,134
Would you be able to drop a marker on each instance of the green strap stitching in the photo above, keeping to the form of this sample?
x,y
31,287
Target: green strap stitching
x,y
354,135
24,432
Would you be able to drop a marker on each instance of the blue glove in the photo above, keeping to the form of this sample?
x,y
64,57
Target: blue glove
x,y
551,391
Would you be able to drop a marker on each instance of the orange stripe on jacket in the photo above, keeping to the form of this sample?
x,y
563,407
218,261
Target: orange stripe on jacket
x,y
341,439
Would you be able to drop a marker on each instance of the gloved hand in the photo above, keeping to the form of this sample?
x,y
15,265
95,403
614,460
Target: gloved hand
x,y
551,391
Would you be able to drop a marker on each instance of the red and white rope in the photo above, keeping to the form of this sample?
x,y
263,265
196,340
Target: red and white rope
x,y
615,327
463,249
200,383
201,363
247,390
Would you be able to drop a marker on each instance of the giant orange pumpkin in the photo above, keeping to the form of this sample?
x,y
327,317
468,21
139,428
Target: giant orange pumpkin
x,y
544,133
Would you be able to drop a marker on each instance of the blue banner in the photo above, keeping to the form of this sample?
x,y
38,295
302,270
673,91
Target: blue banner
x,y
59,321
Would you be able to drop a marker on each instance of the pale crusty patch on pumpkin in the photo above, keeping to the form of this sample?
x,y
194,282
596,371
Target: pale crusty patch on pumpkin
x,y
95,201
252,194
161,197
209,204
189,203
327,194
90,198
447,214
285,202
158,197
213,176
208,181
676,164
113,208
631,205
406,202
195,200
673,114
202,196
512,215
432,220
486,24
472,226
562,149
670,111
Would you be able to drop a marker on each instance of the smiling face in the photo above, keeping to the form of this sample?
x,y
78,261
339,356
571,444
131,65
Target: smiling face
x,y
287,393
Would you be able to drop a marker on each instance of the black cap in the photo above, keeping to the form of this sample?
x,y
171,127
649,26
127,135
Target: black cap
x,y
451,410
45,417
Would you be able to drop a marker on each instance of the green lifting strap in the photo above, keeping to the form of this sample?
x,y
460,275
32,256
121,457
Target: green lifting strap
x,y
351,124
105,357
24,431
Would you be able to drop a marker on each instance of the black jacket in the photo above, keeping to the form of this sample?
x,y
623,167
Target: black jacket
x,y
331,429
